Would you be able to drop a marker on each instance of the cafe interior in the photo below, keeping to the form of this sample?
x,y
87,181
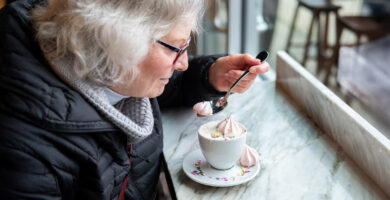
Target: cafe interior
x,y
344,44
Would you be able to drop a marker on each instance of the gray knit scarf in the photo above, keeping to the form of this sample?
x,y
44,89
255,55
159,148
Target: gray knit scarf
x,y
132,115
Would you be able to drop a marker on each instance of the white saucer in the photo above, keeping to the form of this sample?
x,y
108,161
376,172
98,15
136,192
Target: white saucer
x,y
196,168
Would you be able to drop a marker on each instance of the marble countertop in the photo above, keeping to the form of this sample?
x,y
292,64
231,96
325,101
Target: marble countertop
x,y
298,160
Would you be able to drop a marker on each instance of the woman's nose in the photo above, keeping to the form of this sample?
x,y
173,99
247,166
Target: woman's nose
x,y
182,62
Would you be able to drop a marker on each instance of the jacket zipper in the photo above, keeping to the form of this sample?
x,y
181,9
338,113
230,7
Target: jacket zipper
x,y
124,185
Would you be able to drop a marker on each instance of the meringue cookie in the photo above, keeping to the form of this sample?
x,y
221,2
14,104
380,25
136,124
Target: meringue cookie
x,y
203,108
249,157
229,127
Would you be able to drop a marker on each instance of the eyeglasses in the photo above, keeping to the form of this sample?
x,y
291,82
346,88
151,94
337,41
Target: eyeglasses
x,y
179,51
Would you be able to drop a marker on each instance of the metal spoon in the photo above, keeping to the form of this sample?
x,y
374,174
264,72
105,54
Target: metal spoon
x,y
220,104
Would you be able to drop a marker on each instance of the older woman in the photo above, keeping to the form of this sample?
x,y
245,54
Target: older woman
x,y
79,117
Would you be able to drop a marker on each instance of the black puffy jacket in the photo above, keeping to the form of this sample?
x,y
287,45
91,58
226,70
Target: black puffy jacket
x,y
54,144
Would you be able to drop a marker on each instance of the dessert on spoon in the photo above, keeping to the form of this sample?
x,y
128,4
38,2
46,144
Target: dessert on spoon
x,y
208,108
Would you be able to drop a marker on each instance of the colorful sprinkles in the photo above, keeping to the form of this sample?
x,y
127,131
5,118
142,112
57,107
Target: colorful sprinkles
x,y
199,172
217,134
244,170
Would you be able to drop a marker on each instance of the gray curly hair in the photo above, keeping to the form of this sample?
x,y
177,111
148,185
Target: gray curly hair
x,y
103,40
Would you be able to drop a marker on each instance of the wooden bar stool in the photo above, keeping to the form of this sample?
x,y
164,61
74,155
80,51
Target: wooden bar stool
x,y
371,27
317,7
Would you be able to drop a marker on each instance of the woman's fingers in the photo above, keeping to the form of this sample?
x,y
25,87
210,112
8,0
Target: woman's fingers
x,y
242,86
235,74
259,69
241,61
226,70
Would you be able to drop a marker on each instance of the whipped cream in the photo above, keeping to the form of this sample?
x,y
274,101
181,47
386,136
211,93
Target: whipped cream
x,y
249,157
203,108
230,128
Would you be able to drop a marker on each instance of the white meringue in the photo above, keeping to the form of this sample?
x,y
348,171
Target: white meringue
x,y
203,108
229,127
249,157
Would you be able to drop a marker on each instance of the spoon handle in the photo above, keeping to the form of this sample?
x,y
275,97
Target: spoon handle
x,y
238,80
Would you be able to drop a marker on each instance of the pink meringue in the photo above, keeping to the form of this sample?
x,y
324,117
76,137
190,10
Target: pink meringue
x,y
249,157
203,108
229,127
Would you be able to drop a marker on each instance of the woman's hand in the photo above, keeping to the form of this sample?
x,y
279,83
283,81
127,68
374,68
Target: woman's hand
x,y
226,70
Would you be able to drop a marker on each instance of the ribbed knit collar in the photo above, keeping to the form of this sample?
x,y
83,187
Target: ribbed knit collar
x,y
134,116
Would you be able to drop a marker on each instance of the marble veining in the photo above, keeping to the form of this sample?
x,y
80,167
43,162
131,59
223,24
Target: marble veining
x,y
368,147
299,161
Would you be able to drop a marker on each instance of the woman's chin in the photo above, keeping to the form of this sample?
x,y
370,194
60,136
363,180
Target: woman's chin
x,y
157,92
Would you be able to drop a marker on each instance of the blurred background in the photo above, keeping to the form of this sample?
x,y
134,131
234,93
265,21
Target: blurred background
x,y
343,43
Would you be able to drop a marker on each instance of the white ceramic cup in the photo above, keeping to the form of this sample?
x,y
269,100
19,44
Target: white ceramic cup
x,y
220,153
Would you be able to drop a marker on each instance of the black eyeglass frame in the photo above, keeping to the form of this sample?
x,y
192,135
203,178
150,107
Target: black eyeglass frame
x,y
179,51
